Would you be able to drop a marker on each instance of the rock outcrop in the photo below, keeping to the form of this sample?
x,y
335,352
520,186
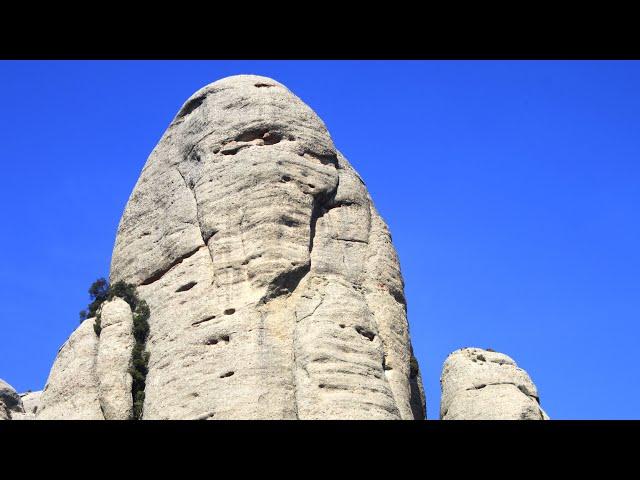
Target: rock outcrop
x,y
113,359
72,389
274,288
481,384
90,378
30,404
17,406
10,402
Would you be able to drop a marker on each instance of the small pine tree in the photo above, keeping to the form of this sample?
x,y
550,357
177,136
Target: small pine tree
x,y
99,289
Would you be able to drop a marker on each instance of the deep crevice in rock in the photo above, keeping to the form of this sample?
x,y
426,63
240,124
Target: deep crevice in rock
x,y
158,274
187,286
195,324
326,159
192,189
353,240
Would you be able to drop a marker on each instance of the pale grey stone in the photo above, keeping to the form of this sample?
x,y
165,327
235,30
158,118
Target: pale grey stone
x,y
71,391
274,288
481,384
114,359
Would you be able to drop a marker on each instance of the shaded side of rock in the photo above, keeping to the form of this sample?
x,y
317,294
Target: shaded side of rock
x,y
10,401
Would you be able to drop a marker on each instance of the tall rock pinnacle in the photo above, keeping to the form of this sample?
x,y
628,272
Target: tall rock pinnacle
x,y
482,384
274,289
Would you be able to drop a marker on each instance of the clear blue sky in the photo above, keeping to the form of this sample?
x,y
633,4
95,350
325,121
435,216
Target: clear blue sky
x,y
512,190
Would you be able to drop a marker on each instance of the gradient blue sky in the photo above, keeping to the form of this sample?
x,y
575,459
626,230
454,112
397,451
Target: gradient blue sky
x,y
511,189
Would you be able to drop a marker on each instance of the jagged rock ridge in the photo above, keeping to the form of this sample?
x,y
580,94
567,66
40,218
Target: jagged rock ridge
x,y
274,288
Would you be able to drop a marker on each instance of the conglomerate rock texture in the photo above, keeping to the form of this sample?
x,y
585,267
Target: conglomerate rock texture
x,y
274,288
481,384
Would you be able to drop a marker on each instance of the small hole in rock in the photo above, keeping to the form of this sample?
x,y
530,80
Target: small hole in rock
x,y
365,333
230,311
271,138
228,374
285,178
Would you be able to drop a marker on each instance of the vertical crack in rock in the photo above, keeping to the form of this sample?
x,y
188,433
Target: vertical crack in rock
x,y
322,203
192,189
286,282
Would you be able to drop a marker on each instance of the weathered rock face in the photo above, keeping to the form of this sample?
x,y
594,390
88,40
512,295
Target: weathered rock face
x,y
10,401
274,289
71,391
113,360
90,378
480,384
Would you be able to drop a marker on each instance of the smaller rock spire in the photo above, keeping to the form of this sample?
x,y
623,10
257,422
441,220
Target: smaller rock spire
x,y
482,384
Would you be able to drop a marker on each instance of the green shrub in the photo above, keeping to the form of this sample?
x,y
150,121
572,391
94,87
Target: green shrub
x,y
125,291
140,322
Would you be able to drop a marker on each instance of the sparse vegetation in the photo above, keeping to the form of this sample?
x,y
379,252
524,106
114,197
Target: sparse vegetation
x,y
99,292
